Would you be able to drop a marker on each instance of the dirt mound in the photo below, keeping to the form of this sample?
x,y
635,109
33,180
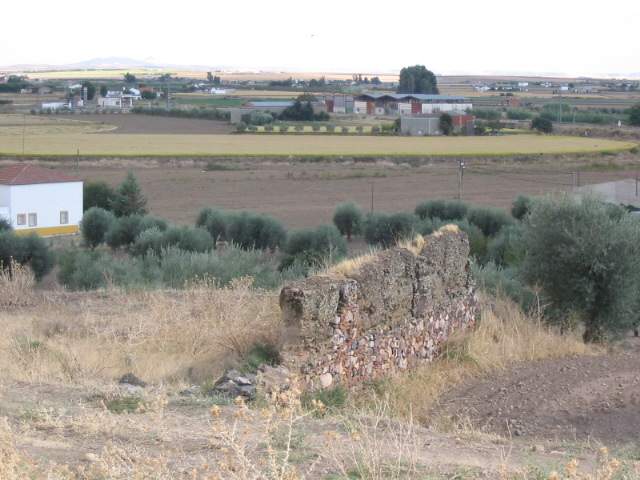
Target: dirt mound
x,y
579,398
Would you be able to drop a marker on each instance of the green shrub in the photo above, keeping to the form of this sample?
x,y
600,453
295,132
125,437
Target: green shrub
x,y
442,209
123,231
521,206
251,230
31,251
314,247
507,247
489,220
496,280
80,270
149,241
261,354
148,221
387,229
95,224
348,219
332,398
5,226
542,124
188,239
98,194
586,261
214,221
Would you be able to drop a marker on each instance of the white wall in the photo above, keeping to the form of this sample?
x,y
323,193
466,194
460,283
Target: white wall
x,y
5,211
47,200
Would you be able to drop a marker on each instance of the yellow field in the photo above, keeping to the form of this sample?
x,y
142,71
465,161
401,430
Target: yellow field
x,y
308,144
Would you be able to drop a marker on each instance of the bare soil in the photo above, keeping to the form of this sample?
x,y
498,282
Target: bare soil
x,y
585,398
149,124
305,194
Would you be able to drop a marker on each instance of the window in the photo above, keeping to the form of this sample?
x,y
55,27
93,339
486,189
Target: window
x,y
22,219
33,219
64,218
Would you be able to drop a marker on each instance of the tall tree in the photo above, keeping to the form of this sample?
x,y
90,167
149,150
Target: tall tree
x,y
129,77
129,199
418,79
91,89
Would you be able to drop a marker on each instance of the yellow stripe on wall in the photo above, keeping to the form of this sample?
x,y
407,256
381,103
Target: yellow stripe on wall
x,y
50,231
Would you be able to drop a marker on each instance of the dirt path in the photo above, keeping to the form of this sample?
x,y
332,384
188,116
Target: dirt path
x,y
574,399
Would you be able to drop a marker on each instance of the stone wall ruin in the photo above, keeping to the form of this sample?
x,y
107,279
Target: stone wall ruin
x,y
385,314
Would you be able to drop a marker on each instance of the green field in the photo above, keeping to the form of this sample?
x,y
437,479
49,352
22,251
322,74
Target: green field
x,y
299,145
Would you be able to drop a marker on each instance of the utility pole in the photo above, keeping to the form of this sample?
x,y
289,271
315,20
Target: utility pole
x,y
636,184
460,179
24,128
371,197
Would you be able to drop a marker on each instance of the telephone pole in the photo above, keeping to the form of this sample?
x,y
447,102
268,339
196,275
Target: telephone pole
x,y
460,179
371,197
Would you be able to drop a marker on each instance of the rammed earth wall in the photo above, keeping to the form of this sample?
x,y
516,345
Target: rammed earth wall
x,y
386,315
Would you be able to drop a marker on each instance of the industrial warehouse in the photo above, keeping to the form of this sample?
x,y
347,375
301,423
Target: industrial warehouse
x,y
409,104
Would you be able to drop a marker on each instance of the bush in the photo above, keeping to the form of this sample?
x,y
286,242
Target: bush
x,y
489,220
188,239
149,241
442,209
30,251
214,221
129,199
148,221
124,231
250,230
542,124
507,248
98,194
80,270
348,219
586,261
5,226
496,280
88,270
446,124
387,229
521,206
95,224
314,247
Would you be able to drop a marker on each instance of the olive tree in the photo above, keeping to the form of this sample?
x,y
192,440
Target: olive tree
x,y
348,219
585,257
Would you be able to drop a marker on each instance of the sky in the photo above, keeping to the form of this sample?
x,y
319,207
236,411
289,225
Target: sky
x,y
570,37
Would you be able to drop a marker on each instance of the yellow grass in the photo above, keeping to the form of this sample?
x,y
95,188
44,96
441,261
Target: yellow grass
x,y
308,144
161,336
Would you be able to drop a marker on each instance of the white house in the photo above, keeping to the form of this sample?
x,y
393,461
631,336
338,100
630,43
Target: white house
x,y
40,200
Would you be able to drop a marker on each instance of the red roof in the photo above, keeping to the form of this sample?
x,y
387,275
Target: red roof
x,y
23,174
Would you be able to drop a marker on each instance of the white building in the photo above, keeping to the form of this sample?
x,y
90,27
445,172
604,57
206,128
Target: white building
x,y
120,100
40,200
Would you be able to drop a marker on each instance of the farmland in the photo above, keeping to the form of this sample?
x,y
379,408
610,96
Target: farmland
x,y
276,145
304,194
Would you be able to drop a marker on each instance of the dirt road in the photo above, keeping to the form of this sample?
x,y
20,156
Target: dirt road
x,y
575,399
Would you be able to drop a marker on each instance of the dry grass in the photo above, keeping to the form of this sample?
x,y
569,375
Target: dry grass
x,y
279,145
160,336
504,335
16,286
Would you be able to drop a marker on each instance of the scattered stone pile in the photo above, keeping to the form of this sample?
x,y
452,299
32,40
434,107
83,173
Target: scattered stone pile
x,y
386,315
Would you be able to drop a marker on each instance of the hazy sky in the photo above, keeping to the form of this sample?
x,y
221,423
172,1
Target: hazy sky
x,y
577,37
